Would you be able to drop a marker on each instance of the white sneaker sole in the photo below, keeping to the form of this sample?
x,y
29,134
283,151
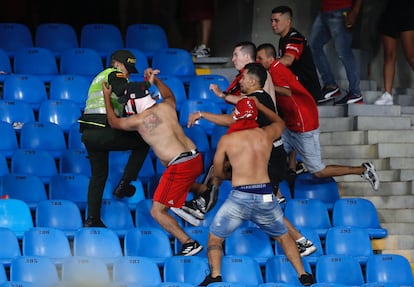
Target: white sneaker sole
x,y
186,216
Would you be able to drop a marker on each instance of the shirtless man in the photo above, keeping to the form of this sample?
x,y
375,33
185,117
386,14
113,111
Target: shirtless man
x,y
158,125
248,147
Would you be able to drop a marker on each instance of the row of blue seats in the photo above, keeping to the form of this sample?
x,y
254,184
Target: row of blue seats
x,y
101,37
331,270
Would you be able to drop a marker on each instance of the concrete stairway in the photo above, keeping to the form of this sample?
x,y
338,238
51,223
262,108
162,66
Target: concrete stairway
x,y
353,134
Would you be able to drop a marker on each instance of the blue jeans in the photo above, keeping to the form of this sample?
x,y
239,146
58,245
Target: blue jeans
x,y
262,209
327,26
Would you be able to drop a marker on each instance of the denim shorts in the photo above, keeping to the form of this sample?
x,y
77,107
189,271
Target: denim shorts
x,y
307,146
262,209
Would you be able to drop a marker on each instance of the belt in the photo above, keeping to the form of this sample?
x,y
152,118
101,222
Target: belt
x,y
277,143
259,188
95,111
184,155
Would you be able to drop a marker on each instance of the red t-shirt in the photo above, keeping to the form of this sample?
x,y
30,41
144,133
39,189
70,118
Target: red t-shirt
x,y
330,5
299,111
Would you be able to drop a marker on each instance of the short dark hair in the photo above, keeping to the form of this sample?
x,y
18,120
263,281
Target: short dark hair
x,y
283,10
248,48
257,70
269,49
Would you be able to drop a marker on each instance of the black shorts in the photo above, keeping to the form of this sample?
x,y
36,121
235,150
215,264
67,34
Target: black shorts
x,y
397,17
278,167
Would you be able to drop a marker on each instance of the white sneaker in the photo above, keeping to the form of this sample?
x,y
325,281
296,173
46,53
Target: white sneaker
x,y
201,51
370,174
385,99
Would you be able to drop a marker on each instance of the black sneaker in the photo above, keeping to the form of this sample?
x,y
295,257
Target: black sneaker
x,y
210,279
350,99
186,216
123,189
195,207
306,248
306,279
190,249
93,222
328,92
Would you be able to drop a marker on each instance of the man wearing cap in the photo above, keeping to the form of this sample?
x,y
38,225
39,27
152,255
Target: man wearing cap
x,y
99,138
248,147
159,127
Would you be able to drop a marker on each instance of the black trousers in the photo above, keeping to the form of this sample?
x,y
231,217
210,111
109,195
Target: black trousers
x,y
99,142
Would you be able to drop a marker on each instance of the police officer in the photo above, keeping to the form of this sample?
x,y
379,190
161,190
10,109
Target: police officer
x,y
99,138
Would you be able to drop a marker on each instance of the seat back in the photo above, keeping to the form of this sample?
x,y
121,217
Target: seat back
x,y
70,87
85,271
311,213
15,214
117,216
199,136
75,161
103,38
342,269
187,269
249,241
34,162
359,212
97,242
9,249
64,113
43,136
4,166
57,37
3,276
279,269
70,186
5,65
149,242
349,240
174,61
241,269
25,87
36,61
199,88
324,189
136,269
38,270
389,268
192,106
75,137
177,87
9,143
81,61
60,214
16,113
47,242
14,36
29,188
148,38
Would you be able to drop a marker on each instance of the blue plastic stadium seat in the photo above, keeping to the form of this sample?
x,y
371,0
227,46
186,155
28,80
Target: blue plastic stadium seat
x,y
389,268
15,214
64,113
16,113
149,38
47,242
349,240
85,271
343,269
117,216
70,87
359,212
187,269
279,269
38,270
36,61
10,247
75,161
43,136
101,37
199,233
81,61
149,242
34,162
59,213
5,65
176,62
8,143
241,269
177,87
97,242
25,87
136,269
57,37
29,188
14,36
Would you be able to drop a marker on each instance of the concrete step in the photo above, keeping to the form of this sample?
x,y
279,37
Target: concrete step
x,y
362,152
382,123
343,138
390,136
334,124
374,110
395,150
329,111
387,189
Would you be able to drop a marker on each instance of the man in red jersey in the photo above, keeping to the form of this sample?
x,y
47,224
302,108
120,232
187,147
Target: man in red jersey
x,y
300,113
